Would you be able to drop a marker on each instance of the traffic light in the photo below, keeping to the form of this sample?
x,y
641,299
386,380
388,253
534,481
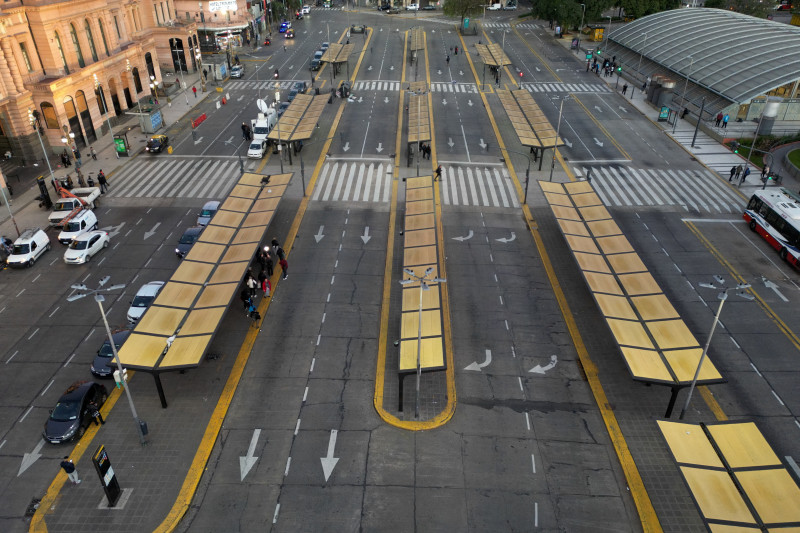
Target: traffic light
x,y
599,52
619,68
520,74
735,147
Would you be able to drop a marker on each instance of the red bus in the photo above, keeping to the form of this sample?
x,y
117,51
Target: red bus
x,y
775,215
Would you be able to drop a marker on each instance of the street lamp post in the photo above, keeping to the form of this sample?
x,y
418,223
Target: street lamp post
x,y
98,297
722,296
558,132
154,88
35,126
641,50
423,286
277,125
99,89
605,43
578,39
527,171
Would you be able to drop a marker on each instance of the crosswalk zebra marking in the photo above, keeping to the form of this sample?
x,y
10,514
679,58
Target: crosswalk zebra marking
x,y
174,177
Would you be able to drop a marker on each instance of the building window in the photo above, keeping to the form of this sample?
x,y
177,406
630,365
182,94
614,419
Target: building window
x,y
26,57
116,25
137,83
162,11
89,36
49,114
61,52
155,12
77,45
103,35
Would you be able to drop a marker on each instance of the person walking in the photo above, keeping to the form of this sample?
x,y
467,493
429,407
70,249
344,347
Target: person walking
x,y
93,153
284,268
739,171
448,60
268,264
725,119
266,286
245,297
194,90
252,284
733,173
101,179
456,50
244,131
624,89
438,174
69,467
764,172
746,173
719,119
94,411
275,245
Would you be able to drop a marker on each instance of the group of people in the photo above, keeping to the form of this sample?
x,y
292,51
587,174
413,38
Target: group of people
x,y
425,150
722,119
252,283
739,172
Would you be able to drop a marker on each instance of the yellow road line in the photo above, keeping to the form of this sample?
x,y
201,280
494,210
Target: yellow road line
x,y
644,506
361,57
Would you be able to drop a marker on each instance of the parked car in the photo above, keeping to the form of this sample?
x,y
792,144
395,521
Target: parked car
x,y
429,7
306,9
284,26
156,144
28,248
412,7
103,365
77,225
358,28
257,149
187,240
300,87
237,71
209,208
384,7
318,54
71,415
392,11
315,64
283,107
510,6
85,246
144,297
324,46
291,95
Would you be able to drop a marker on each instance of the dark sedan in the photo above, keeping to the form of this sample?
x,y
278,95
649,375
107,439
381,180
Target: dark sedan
x,y
187,240
103,365
157,143
71,415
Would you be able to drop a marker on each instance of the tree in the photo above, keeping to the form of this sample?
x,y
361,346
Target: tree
x,y
463,9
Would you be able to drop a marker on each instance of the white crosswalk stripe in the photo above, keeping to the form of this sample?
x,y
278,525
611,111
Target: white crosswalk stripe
x,y
478,186
354,181
254,85
445,87
551,87
693,190
377,85
175,177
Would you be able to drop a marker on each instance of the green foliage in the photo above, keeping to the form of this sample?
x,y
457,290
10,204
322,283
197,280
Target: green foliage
x,y
716,4
794,157
754,8
463,8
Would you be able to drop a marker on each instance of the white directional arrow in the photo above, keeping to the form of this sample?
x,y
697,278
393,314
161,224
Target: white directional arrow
x,y
29,458
391,67
273,66
198,141
318,237
329,462
360,99
248,461
240,98
148,234
598,142
230,139
567,142
598,109
507,240
477,366
113,231
538,369
439,72
444,101
621,108
462,239
482,144
469,103
450,142
386,100
346,146
379,149
369,68
774,287
537,69
461,72
366,237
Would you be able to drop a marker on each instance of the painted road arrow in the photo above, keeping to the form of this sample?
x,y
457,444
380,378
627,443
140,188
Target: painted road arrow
x,y
379,149
469,103
462,239
598,109
450,142
774,287
198,141
444,101
477,366
622,109
346,146
365,238
386,100
542,369
329,462
598,142
248,461
113,231
29,458
148,234
318,237
567,142
483,144
507,240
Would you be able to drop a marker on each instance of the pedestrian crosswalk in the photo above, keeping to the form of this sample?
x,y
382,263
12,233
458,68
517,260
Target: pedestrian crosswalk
x,y
354,181
254,85
175,177
548,87
376,85
444,87
693,190
486,25
475,185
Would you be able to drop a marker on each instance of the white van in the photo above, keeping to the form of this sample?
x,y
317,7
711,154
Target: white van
x,y
77,225
495,7
28,248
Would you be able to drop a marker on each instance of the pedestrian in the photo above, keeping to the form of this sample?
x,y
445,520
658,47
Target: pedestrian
x,y
456,50
69,467
746,173
644,86
739,171
245,297
438,175
719,119
77,155
256,316
244,131
194,90
101,179
81,181
94,411
93,153
624,89
265,284
284,47
268,264
280,254
252,284
249,133
725,121
275,245
448,59
205,74
764,172
63,160
284,268
262,259
733,173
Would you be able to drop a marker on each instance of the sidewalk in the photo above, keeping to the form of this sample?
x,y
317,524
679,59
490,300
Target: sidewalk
x,y
23,204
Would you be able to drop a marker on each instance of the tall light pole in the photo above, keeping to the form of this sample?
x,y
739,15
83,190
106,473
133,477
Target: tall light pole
x,y
180,70
527,171
558,132
605,44
578,47
423,286
722,296
683,96
98,297
280,147
99,89
641,50
35,126
154,87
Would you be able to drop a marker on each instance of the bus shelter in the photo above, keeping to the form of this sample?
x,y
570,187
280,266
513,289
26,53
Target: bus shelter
x,y
531,125
495,58
298,122
337,54
419,124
